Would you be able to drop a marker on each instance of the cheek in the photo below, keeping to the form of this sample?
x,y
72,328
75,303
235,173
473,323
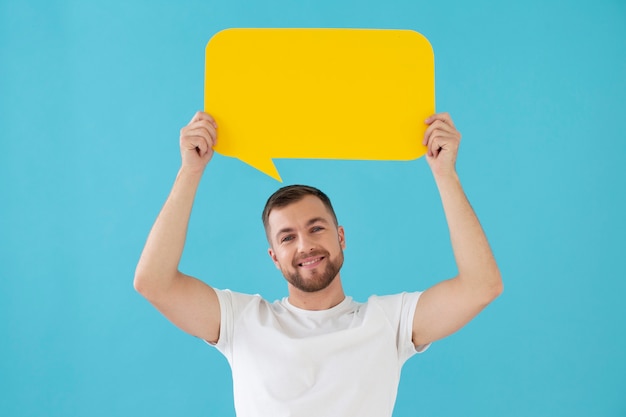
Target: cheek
x,y
282,257
340,244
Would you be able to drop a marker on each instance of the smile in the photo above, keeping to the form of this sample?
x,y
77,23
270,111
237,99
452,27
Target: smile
x,y
311,261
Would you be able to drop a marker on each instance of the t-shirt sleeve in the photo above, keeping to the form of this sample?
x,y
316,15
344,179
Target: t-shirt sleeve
x,y
400,309
408,313
231,306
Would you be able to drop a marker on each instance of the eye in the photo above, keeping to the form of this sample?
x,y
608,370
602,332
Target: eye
x,y
286,238
317,228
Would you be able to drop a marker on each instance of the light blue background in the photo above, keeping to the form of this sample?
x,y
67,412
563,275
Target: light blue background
x,y
92,97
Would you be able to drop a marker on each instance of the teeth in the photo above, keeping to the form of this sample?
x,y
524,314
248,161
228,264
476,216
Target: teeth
x,y
310,262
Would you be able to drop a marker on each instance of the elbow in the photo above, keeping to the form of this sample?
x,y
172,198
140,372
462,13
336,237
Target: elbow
x,y
497,290
488,288
500,285
496,286
145,287
150,284
144,282
139,283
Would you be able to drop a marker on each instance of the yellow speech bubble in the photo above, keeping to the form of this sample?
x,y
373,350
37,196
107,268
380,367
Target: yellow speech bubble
x,y
356,94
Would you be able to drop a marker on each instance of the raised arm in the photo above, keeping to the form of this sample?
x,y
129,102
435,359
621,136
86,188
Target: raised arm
x,y
449,305
186,301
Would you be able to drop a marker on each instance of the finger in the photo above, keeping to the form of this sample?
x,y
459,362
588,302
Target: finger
x,y
197,116
200,115
211,128
440,142
201,128
436,126
195,144
433,147
200,142
444,117
441,125
202,148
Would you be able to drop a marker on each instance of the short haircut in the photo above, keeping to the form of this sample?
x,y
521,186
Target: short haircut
x,y
292,194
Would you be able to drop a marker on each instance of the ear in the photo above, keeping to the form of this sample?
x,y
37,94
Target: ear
x,y
272,255
342,237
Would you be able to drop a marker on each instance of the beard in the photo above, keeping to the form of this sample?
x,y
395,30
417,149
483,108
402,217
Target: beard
x,y
318,280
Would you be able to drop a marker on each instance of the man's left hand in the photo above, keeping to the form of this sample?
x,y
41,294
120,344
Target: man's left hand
x,y
442,140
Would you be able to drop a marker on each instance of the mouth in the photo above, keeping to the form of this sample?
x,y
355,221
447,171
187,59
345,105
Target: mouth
x,y
311,262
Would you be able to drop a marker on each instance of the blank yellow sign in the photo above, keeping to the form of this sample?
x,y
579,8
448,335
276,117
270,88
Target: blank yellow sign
x,y
319,93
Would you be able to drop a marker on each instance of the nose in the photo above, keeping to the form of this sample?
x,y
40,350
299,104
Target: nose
x,y
305,244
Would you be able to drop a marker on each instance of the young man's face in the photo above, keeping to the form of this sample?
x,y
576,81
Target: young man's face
x,y
306,245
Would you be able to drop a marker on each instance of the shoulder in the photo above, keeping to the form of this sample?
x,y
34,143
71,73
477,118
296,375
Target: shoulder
x,y
236,301
395,299
226,293
395,305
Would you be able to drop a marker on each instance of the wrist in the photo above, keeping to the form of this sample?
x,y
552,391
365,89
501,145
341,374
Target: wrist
x,y
446,177
193,174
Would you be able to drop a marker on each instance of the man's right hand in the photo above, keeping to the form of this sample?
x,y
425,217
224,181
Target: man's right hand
x,y
197,140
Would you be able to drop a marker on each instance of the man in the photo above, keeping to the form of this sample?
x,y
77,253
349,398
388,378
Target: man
x,y
316,352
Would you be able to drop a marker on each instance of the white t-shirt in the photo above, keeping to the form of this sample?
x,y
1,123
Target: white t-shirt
x,y
344,361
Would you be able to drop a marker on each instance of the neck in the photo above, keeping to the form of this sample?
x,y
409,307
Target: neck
x,y
318,300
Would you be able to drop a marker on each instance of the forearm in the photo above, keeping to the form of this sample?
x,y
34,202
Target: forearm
x,y
158,264
475,261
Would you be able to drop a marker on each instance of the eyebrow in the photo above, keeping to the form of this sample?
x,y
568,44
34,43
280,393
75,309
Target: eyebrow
x,y
308,223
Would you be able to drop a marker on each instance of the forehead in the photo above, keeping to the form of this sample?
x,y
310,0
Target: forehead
x,y
297,213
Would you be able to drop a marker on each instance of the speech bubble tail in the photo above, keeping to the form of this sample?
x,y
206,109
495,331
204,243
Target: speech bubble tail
x,y
263,164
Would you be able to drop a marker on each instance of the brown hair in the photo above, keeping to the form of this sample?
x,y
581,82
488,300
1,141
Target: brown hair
x,y
292,194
